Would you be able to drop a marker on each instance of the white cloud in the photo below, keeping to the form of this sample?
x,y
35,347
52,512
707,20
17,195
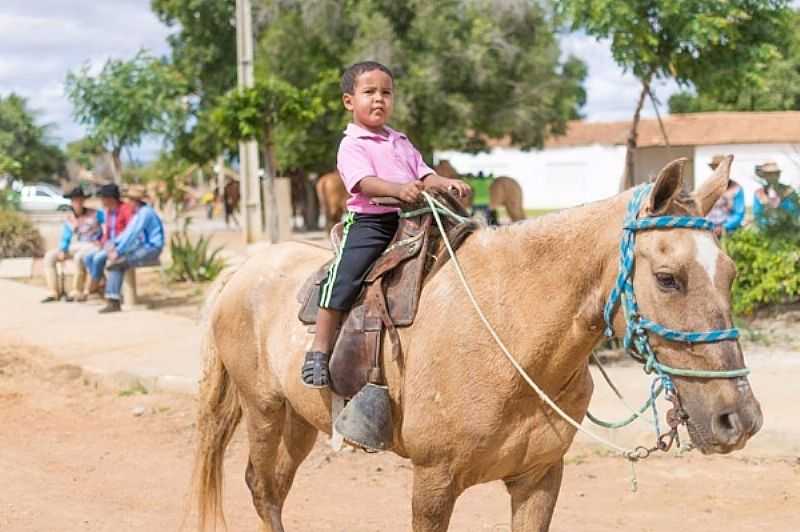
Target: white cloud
x,y
42,40
611,94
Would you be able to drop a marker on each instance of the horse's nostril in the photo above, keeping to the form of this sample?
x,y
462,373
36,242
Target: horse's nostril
x,y
725,422
727,428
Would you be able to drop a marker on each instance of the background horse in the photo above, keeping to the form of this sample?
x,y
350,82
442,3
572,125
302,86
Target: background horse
x,y
332,197
503,191
462,415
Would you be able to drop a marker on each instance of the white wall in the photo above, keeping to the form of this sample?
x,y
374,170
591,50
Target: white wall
x,y
550,179
649,162
745,158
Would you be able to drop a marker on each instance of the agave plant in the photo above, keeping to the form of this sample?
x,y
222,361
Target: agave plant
x,y
193,261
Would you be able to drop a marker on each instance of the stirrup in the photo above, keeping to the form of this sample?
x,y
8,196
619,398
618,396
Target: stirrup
x,y
314,372
366,421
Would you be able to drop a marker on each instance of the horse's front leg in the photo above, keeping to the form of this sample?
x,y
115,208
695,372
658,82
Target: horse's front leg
x,y
533,498
433,499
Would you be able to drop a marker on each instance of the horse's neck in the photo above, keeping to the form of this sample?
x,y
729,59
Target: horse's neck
x,y
555,274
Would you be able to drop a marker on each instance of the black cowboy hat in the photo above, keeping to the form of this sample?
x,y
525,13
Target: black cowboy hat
x,y
76,192
109,191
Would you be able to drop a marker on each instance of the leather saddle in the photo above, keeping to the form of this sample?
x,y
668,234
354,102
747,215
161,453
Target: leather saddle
x,y
390,296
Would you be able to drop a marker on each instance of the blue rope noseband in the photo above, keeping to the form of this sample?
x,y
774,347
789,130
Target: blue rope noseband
x,y
637,327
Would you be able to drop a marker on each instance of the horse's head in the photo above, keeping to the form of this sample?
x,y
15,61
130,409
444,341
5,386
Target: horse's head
x,y
682,280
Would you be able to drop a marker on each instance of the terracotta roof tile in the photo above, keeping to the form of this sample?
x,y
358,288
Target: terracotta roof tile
x,y
694,129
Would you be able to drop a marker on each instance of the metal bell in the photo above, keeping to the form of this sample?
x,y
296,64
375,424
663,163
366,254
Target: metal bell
x,y
367,419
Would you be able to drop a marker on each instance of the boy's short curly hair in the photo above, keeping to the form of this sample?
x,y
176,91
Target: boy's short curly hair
x,y
353,71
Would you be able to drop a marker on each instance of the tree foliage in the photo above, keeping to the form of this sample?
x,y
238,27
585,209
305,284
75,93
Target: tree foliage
x,y
25,149
256,112
84,151
688,40
465,70
204,52
772,85
126,101
472,70
708,43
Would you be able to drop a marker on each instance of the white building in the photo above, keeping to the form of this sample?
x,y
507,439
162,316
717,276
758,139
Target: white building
x,y
587,163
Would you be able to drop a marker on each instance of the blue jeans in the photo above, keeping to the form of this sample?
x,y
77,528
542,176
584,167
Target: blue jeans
x,y
134,258
96,263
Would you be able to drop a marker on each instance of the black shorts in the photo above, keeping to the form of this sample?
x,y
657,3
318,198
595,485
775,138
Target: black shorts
x,y
365,237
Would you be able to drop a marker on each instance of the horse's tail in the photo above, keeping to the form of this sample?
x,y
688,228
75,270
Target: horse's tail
x,y
219,414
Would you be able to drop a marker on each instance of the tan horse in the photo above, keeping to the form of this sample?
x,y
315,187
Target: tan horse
x,y
503,192
462,415
506,192
445,169
332,197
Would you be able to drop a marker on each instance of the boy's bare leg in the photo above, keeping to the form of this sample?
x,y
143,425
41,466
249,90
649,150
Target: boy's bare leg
x,y
327,325
314,372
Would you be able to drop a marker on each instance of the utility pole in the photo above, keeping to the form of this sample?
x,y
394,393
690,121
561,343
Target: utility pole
x,y
248,150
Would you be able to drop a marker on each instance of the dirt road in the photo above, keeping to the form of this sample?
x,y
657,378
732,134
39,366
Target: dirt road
x,y
75,458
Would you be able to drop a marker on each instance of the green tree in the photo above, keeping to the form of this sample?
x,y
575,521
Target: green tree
x,y
84,151
25,147
470,71
466,70
126,101
706,43
204,52
768,86
254,113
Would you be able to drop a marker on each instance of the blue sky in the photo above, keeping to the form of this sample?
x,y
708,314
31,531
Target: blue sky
x,y
41,40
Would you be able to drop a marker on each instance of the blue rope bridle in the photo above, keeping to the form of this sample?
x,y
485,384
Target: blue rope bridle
x,y
637,327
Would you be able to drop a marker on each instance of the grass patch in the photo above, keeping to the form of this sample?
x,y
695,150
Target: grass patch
x,y
535,213
135,389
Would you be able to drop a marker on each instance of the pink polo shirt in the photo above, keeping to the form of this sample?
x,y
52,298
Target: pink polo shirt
x,y
363,153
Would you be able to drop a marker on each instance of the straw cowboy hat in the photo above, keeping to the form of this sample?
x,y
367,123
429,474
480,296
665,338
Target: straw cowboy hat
x,y
715,161
136,192
767,168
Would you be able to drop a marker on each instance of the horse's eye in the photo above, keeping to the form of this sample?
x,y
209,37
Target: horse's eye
x,y
667,281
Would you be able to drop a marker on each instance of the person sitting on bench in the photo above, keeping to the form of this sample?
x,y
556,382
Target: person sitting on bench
x,y
373,160
118,215
86,226
140,244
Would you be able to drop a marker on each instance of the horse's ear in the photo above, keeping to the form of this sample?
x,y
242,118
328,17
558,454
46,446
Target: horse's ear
x,y
714,187
667,186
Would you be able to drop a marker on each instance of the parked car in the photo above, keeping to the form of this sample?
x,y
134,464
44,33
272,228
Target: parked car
x,y
42,198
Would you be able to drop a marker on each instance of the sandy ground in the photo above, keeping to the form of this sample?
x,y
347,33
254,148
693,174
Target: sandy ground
x,y
75,458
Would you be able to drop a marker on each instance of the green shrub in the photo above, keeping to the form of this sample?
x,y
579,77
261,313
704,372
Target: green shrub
x,y
9,200
768,266
192,261
18,236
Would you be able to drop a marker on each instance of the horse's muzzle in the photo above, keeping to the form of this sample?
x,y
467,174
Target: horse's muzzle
x,y
729,431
